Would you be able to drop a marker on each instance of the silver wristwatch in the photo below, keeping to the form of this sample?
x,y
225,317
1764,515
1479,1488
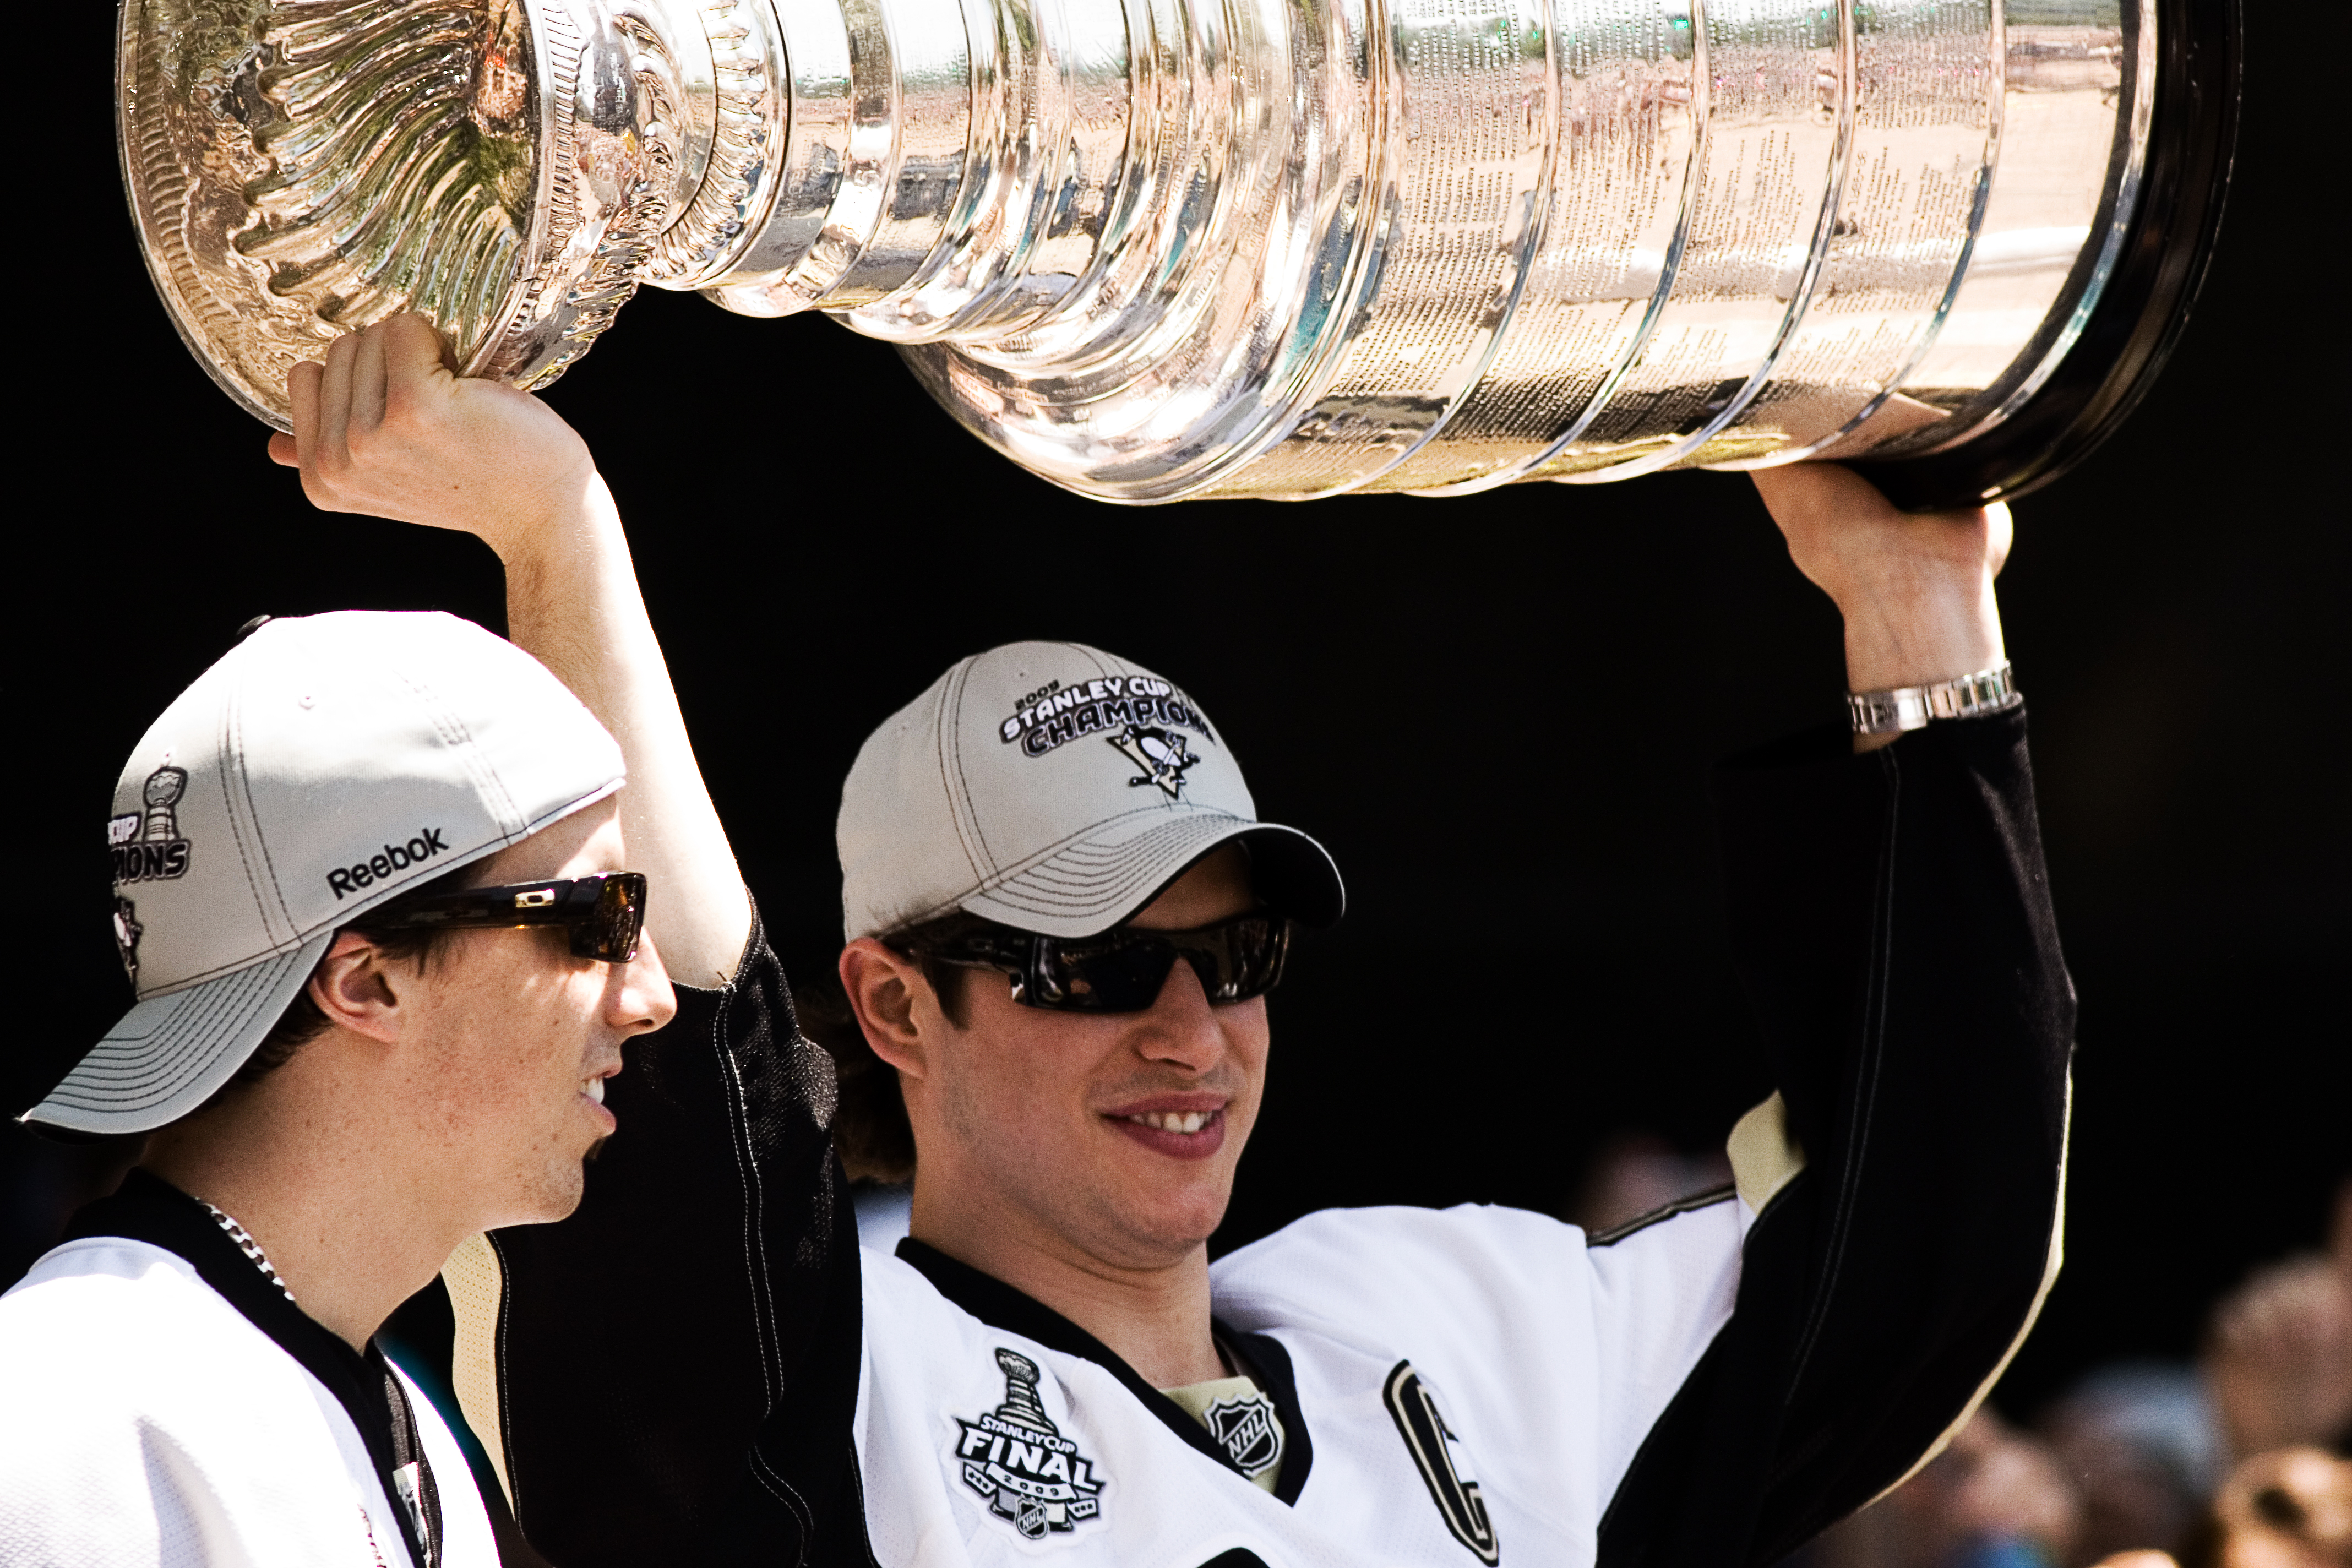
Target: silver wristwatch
x,y
1912,707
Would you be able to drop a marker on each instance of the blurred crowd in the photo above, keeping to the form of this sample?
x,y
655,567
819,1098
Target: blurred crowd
x,y
2237,1461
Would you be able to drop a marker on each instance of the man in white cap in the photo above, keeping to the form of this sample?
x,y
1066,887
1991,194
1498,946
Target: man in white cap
x,y
380,891
1063,917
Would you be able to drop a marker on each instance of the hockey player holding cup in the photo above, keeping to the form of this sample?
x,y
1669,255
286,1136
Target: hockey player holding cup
x,y
1063,917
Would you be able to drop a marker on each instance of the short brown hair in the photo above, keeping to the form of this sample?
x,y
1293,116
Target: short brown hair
x,y
870,1130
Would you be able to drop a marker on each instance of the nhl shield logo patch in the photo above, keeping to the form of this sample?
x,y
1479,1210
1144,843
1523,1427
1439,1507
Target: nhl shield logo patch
x,y
1246,1430
1017,1460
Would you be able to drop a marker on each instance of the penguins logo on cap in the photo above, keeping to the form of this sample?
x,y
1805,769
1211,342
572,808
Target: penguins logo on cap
x,y
1160,753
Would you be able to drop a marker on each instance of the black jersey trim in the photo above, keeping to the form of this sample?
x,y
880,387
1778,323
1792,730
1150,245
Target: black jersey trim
x,y
147,1208
999,1305
1641,1222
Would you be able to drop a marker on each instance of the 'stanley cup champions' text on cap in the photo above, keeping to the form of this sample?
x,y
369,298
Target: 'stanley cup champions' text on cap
x,y
1057,788
324,766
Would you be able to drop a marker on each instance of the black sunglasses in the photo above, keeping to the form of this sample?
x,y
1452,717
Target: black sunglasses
x,y
1122,969
605,913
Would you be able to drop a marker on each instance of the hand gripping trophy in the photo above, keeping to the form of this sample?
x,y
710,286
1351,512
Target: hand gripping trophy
x,y
1156,250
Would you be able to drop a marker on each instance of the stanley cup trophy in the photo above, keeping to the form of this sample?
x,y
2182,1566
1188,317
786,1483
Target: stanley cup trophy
x,y
1161,249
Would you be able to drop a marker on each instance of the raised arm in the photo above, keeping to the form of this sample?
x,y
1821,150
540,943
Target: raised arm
x,y
1891,923
386,428
712,1245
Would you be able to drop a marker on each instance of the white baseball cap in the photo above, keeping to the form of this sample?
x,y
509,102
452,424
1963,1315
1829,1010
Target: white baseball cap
x,y
1057,788
323,766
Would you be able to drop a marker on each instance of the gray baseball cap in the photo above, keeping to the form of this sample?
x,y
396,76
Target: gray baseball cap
x,y
323,766
1057,788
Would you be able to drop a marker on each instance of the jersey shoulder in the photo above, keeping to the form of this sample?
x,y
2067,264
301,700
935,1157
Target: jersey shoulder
x,y
1566,1347
148,1421
1413,1272
1436,1267
106,1326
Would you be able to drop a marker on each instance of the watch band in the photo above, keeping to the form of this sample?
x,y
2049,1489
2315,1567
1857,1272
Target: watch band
x,y
1912,707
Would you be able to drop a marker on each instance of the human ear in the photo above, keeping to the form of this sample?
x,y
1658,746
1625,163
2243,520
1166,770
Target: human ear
x,y
353,985
883,987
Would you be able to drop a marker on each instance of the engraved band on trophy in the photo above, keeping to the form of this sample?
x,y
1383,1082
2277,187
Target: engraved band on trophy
x,y
1157,249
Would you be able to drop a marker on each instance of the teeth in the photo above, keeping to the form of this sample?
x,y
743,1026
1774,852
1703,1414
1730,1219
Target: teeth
x,y
596,1089
1173,1120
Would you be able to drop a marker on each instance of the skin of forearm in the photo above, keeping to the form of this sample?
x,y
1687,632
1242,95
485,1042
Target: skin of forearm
x,y
1919,626
573,601
1914,589
1918,630
385,426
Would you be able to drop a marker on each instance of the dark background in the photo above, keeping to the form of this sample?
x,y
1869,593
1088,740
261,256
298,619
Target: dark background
x,y
1499,712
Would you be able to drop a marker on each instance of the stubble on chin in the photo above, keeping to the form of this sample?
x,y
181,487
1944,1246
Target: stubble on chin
x,y
562,1186
1149,1226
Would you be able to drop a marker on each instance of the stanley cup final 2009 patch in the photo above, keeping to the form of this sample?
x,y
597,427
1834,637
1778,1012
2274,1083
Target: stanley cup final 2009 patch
x,y
1018,1459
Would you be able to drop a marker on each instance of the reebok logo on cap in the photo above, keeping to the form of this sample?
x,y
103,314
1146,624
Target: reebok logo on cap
x,y
347,880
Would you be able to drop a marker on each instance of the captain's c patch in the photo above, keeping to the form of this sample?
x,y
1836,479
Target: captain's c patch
x,y
1428,1439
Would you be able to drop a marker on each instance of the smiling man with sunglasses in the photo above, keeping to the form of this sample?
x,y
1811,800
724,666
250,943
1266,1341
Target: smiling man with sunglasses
x,y
1065,917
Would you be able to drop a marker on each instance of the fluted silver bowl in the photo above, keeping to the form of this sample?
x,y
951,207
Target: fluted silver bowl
x,y
1154,249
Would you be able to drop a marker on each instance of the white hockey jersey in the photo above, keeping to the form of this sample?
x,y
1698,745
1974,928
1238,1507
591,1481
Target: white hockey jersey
x,y
1477,1379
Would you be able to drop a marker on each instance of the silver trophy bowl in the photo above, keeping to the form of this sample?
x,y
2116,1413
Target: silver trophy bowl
x,y
1162,250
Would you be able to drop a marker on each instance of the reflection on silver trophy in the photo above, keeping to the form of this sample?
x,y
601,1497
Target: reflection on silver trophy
x,y
1154,249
